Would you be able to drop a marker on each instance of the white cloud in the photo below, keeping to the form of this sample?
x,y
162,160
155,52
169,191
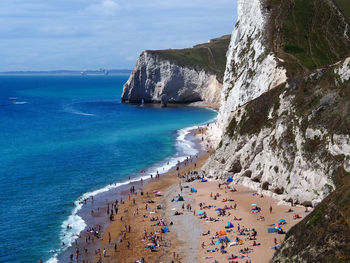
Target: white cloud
x,y
105,7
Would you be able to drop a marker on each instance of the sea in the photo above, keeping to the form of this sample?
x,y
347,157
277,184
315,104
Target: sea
x,y
67,137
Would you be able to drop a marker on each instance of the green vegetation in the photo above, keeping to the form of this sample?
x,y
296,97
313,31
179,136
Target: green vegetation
x,y
344,6
231,128
308,34
256,113
209,56
322,104
324,235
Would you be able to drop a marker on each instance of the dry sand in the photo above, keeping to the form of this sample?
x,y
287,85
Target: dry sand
x,y
184,241
244,199
178,240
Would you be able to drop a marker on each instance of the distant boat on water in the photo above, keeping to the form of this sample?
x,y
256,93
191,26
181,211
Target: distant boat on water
x,y
94,72
14,100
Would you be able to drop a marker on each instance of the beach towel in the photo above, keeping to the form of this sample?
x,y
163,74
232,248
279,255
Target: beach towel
x,y
272,230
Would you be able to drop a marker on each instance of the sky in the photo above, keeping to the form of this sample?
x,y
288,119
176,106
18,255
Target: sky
x,y
91,34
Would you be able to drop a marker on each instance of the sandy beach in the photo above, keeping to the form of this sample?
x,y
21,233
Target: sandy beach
x,y
151,223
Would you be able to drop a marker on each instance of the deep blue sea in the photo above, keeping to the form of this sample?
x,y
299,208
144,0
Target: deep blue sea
x,y
63,136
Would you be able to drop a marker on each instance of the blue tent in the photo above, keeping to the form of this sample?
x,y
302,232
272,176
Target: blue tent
x,y
193,190
282,222
225,238
166,229
204,180
219,209
230,180
200,213
230,225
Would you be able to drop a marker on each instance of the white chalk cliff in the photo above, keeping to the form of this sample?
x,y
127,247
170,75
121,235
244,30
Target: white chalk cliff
x,y
263,140
274,158
155,79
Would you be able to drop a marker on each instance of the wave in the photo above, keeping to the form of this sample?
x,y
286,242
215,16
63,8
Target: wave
x,y
184,148
19,102
70,109
82,113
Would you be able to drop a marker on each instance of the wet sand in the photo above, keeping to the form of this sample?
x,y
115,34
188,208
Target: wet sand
x,y
87,243
184,242
171,242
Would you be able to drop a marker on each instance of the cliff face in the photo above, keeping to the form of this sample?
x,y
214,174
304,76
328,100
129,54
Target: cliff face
x,y
186,75
282,120
283,126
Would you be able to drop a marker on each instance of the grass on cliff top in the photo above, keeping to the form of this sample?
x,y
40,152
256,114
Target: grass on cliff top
x,y
209,56
308,33
344,6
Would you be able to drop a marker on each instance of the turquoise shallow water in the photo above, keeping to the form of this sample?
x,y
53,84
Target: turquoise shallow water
x,y
63,136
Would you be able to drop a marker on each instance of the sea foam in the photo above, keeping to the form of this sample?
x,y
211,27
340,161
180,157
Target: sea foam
x,y
184,149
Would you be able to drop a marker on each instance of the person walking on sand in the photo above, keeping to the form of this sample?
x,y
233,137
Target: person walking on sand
x,y
115,247
270,209
104,252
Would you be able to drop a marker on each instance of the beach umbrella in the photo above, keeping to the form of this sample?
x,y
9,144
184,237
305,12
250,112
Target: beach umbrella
x,y
230,180
222,233
219,209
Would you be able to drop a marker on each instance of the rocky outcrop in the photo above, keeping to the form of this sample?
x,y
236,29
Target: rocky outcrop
x,y
283,126
283,110
154,77
179,76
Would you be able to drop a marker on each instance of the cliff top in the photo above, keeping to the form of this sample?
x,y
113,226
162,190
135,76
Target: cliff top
x,y
209,56
309,34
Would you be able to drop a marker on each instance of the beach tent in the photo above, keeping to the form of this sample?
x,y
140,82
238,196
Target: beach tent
x,y
222,233
230,180
200,213
204,180
254,205
219,209
166,229
193,190
282,222
230,225
181,198
225,238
